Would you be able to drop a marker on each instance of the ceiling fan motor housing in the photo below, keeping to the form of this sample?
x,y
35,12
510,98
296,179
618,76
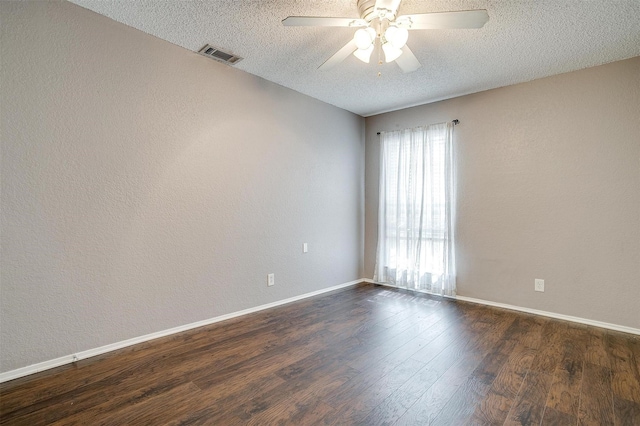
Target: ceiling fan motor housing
x,y
367,8
383,9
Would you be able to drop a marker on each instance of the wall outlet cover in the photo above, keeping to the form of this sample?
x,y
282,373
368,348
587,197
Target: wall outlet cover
x,y
539,285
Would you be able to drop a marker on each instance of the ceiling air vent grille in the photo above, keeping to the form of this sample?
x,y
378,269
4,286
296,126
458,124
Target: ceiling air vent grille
x,y
219,55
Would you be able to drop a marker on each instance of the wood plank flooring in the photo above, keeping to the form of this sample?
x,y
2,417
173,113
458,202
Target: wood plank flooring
x,y
368,355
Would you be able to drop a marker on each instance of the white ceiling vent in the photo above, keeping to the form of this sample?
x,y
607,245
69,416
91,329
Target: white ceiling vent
x,y
219,55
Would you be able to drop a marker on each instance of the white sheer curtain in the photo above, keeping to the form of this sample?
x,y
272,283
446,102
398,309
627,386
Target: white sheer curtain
x,y
416,210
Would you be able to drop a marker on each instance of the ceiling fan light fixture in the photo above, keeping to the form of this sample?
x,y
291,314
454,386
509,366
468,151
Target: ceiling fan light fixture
x,y
379,23
391,53
364,54
364,38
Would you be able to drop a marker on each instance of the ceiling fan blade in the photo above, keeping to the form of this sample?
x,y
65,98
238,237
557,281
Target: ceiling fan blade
x,y
408,61
444,20
339,56
321,21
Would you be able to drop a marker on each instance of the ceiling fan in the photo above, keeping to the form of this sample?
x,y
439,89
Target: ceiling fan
x,y
380,27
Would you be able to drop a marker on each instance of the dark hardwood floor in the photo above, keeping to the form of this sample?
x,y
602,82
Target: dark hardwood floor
x,y
368,355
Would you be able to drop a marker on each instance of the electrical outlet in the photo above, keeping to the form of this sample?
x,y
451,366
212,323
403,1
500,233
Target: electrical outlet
x,y
305,247
271,279
539,285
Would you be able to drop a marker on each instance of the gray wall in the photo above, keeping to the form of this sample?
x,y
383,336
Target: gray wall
x,y
548,178
146,187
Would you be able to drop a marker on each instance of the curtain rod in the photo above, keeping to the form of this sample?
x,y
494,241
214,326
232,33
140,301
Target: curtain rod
x,y
455,123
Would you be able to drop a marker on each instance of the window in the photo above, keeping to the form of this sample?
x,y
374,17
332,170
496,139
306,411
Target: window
x,y
415,232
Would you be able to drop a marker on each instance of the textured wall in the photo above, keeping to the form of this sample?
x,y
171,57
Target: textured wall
x,y
146,187
548,187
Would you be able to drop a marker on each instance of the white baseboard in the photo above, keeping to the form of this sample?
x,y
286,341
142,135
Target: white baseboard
x,y
67,359
586,321
579,320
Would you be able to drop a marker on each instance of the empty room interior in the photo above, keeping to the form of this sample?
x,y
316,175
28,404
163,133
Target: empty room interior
x,y
340,212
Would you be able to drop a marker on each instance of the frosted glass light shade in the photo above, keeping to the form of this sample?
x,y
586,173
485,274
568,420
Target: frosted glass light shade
x,y
391,53
363,38
364,54
396,36
372,33
400,38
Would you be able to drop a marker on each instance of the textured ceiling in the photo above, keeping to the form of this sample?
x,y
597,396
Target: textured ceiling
x,y
523,40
